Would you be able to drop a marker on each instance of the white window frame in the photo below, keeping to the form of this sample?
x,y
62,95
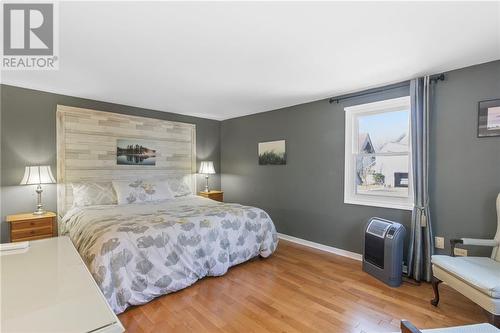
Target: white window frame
x,y
351,151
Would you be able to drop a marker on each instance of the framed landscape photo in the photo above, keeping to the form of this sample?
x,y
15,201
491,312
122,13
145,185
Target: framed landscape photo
x,y
488,118
135,152
272,153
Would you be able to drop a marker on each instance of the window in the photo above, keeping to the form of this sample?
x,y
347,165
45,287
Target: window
x,y
377,154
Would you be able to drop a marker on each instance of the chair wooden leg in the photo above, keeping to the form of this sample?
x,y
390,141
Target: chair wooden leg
x,y
435,287
493,319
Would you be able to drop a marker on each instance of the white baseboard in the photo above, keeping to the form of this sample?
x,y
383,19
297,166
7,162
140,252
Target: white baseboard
x,y
326,248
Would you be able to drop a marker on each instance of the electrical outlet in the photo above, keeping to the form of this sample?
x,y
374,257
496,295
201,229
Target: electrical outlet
x,y
439,242
460,252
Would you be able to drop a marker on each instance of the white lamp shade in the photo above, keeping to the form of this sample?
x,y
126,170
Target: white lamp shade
x,y
39,174
207,167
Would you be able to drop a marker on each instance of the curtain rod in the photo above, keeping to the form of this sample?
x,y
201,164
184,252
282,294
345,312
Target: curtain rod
x,y
433,78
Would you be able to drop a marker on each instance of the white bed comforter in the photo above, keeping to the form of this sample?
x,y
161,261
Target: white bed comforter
x,y
137,252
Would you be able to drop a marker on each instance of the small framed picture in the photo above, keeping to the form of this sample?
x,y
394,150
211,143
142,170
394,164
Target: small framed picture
x,y
488,118
272,153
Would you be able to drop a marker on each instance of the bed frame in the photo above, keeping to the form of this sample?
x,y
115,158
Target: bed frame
x,y
86,149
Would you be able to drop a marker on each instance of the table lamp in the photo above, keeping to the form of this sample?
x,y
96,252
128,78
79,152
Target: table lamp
x,y
207,168
37,175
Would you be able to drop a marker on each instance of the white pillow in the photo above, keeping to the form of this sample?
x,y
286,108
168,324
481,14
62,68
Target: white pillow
x,y
89,194
178,186
139,191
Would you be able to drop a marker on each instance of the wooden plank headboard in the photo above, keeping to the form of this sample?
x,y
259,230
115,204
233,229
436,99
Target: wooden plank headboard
x,y
86,149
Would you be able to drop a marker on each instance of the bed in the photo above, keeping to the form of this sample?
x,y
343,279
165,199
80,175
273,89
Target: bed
x,y
137,252
136,244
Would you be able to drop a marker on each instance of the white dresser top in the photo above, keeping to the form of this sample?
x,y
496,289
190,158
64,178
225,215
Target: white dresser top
x,y
49,289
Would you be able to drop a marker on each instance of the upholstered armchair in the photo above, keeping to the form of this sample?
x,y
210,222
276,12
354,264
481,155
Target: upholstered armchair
x,y
477,278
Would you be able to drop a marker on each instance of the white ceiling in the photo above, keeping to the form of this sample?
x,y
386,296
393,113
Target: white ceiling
x,y
222,60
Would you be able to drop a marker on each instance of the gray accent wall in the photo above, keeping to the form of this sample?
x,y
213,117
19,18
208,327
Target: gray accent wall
x,y
305,197
28,136
465,169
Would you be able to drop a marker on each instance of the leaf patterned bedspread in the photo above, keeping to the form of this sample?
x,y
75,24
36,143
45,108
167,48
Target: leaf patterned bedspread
x,y
140,251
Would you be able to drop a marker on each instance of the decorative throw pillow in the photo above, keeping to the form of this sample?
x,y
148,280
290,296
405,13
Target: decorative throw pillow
x,y
138,191
178,186
89,194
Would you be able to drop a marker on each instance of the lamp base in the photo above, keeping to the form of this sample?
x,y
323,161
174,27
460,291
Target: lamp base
x,y
39,207
39,210
207,189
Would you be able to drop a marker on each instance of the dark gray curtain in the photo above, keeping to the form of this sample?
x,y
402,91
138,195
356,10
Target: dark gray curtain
x,y
421,239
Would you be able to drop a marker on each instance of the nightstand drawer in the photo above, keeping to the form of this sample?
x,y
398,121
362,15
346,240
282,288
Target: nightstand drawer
x,y
29,224
24,233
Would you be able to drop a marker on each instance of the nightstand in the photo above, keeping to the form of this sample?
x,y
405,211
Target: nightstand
x,y
214,195
28,226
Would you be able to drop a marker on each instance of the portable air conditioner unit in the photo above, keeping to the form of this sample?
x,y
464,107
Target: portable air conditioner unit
x,y
383,250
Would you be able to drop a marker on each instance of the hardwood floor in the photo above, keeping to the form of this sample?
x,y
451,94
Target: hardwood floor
x,y
299,289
